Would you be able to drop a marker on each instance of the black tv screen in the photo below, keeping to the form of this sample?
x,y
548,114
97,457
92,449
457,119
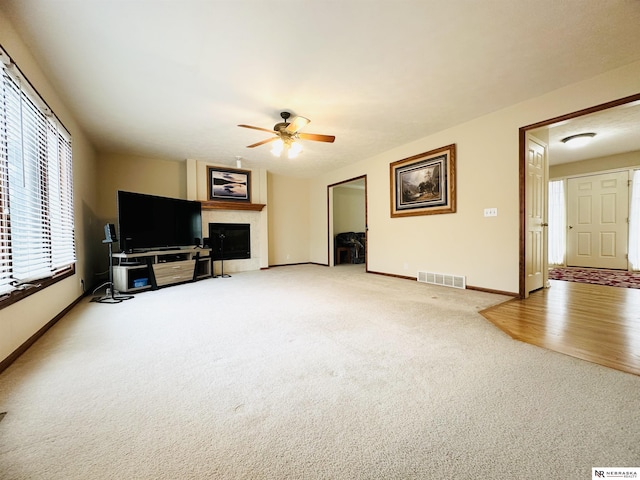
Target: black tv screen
x,y
147,222
230,241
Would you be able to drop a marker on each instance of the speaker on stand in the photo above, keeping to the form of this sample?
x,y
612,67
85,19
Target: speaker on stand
x,y
222,274
110,294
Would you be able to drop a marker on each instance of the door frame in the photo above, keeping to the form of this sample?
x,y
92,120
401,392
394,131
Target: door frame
x,y
522,135
330,252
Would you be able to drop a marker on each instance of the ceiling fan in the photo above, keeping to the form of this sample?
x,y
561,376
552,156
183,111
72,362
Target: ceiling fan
x,y
288,134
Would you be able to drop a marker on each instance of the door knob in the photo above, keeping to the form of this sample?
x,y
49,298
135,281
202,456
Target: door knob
x,y
544,224
570,227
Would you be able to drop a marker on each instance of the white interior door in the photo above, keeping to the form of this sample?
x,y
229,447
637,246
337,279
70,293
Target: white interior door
x,y
536,208
597,213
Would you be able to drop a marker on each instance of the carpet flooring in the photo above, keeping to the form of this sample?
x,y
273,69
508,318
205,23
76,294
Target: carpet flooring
x,y
307,372
598,276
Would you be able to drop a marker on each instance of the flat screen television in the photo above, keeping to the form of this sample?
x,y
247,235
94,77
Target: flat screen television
x,y
149,222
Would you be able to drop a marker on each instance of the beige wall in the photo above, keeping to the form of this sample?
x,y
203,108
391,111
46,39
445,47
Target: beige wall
x,y
484,249
21,320
288,201
348,209
612,162
153,176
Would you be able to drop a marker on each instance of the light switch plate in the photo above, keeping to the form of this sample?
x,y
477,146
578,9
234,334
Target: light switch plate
x,y
490,212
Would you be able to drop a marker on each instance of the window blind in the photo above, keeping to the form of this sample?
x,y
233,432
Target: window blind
x,y
36,196
5,238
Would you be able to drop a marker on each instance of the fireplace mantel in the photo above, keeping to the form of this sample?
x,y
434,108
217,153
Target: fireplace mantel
x,y
216,205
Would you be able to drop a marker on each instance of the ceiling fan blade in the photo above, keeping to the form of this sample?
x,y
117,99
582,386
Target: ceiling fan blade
x,y
257,128
317,137
297,124
263,142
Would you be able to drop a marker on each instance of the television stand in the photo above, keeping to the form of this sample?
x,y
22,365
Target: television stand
x,y
136,272
129,263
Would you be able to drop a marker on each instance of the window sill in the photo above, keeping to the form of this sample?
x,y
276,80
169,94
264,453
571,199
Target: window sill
x,y
17,295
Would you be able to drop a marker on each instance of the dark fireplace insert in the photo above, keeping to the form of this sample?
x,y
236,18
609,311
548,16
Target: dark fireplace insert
x,y
230,241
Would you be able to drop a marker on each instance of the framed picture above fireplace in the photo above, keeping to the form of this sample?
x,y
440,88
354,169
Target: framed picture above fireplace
x,y
229,184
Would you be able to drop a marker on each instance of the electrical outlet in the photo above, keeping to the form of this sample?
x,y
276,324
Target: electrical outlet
x,y
490,212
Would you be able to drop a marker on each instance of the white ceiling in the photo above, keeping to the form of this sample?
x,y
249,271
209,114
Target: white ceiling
x,y
617,131
172,79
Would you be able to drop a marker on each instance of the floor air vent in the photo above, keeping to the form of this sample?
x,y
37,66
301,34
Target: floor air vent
x,y
455,281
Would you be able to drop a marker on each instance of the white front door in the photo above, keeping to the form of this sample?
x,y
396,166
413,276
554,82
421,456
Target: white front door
x,y
597,213
536,210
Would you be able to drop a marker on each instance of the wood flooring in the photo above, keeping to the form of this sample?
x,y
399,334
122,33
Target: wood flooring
x,y
596,323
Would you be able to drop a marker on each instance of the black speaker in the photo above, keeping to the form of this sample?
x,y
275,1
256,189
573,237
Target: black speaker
x,y
206,242
110,233
127,245
196,242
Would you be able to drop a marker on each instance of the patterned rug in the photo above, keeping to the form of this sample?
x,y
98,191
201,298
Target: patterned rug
x,y
613,278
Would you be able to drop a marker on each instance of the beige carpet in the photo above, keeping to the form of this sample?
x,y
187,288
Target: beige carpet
x,y
307,372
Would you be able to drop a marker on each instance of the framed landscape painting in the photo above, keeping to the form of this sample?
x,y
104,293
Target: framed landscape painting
x,y
229,184
424,184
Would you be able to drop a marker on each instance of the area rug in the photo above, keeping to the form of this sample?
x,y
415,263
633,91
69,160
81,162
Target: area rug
x,y
598,276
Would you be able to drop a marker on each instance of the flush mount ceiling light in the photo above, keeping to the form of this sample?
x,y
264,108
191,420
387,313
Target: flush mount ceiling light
x,y
578,140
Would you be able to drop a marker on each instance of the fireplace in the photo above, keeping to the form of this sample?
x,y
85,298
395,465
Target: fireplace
x,y
230,241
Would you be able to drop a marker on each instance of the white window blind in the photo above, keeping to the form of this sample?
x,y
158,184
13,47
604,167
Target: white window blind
x,y
5,238
36,222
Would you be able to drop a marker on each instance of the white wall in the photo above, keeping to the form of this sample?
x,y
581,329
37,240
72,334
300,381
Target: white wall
x,y
485,250
18,322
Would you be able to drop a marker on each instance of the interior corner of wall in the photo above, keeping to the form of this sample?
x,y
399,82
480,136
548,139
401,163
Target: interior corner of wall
x,y
192,179
263,185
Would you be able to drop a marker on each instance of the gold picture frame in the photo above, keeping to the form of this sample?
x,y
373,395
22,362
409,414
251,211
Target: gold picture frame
x,y
424,184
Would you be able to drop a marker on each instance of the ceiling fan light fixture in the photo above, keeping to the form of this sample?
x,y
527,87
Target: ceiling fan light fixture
x,y
288,136
294,149
578,140
276,149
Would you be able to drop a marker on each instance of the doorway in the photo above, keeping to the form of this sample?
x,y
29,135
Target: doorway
x,y
347,222
615,113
